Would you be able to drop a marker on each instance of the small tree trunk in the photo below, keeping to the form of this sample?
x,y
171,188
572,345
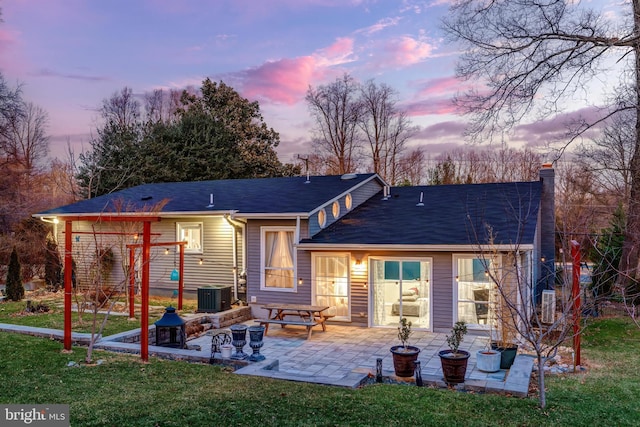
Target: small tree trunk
x,y
542,393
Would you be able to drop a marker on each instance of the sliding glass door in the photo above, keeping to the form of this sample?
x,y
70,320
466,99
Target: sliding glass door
x,y
400,288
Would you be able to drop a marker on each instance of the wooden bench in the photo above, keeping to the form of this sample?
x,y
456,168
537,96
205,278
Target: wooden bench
x,y
283,323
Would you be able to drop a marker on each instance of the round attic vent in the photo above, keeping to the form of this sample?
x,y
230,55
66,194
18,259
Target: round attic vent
x,y
347,176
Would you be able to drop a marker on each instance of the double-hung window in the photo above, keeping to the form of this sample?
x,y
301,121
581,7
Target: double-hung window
x,y
278,259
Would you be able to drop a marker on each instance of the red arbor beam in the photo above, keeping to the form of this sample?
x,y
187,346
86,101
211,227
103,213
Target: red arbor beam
x,y
68,288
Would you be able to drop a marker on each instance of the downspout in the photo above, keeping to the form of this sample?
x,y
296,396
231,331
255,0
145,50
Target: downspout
x,y
234,250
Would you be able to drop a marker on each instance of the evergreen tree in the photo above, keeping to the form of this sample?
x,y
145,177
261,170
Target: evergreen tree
x,y
606,256
52,266
15,290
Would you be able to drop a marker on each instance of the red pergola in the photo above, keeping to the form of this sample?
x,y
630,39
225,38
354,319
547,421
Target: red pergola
x,y
146,252
132,256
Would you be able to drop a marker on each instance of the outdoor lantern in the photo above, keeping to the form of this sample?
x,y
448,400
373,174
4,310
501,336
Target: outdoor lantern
x,y
170,330
175,275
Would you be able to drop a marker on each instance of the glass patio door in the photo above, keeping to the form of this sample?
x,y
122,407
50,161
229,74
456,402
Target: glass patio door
x,y
331,278
400,288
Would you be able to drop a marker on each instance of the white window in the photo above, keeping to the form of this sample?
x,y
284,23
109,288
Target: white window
x,y
348,202
475,290
330,275
190,232
278,259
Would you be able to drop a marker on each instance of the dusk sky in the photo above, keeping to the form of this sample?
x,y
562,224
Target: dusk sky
x,y
72,54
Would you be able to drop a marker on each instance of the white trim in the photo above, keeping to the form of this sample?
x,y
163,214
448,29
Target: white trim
x,y
404,248
454,270
314,255
263,230
191,225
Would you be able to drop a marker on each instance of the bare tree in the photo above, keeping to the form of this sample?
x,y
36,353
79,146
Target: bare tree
x,y
336,110
385,128
411,168
161,106
516,317
533,57
28,143
122,109
504,164
609,155
10,111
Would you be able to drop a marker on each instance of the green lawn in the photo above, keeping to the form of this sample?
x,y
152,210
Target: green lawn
x,y
12,312
125,392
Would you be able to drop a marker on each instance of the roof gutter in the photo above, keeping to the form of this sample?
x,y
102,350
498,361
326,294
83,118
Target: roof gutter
x,y
421,248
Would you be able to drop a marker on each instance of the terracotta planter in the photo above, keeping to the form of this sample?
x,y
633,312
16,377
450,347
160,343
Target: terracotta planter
x,y
404,360
488,360
508,355
454,367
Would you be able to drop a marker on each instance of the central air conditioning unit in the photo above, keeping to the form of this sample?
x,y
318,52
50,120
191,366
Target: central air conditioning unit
x,y
548,314
213,299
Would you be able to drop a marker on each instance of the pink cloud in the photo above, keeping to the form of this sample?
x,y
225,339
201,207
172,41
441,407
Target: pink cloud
x,y
340,52
286,80
440,86
283,81
406,51
10,55
434,105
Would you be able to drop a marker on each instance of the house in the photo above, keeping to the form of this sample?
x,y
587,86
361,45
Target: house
x,y
370,252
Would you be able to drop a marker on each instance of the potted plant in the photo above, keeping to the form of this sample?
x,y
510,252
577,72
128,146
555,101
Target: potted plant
x,y
405,355
454,361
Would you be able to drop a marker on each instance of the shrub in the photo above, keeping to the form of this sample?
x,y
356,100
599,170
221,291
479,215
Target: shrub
x,y
52,267
15,290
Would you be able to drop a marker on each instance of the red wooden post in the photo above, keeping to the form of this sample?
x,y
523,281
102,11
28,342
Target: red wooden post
x,y
144,321
132,281
575,294
181,278
68,286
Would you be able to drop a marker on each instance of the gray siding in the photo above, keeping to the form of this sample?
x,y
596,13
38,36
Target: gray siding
x,y
303,294
217,256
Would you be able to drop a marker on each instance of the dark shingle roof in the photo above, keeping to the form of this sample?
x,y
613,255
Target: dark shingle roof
x,y
267,195
451,215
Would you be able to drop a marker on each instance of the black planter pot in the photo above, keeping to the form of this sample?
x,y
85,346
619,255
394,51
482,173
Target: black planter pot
x,y
507,355
404,360
454,367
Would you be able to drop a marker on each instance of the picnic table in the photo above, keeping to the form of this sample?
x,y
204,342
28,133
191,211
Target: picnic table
x,y
295,314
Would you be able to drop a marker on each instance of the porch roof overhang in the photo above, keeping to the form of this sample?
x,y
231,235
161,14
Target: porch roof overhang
x,y
414,248
133,216
105,217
